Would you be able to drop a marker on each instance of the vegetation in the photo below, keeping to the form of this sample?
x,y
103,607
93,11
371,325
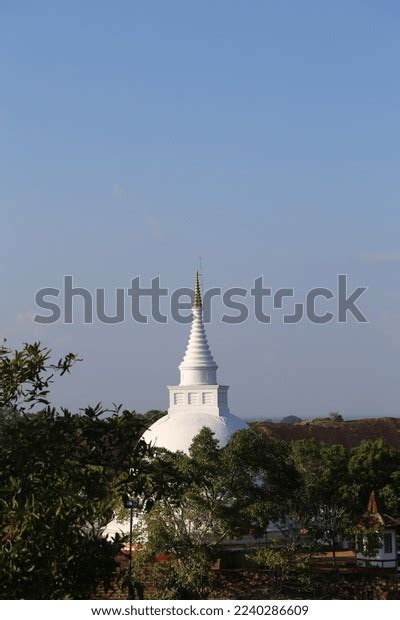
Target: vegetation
x,y
63,474
291,419
309,489
206,498
289,568
60,475
335,416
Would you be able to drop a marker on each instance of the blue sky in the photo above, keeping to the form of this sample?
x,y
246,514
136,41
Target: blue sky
x,y
136,136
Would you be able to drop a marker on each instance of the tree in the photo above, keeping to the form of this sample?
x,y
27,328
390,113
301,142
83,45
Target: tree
x,y
373,465
271,466
323,471
212,495
202,501
288,566
152,416
324,506
26,376
60,475
390,494
326,526
291,419
335,416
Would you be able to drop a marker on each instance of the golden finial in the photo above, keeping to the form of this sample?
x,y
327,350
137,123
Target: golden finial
x,y
197,293
372,504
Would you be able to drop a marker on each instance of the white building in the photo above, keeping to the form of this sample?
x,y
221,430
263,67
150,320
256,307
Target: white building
x,y
198,401
383,530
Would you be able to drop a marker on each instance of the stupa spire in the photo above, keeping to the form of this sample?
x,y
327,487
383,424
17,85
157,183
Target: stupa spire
x,y
198,365
197,302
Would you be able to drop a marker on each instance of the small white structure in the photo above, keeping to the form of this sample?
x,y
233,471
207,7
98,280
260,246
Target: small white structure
x,y
383,529
198,401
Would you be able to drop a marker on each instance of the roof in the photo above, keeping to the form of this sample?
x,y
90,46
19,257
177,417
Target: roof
x,y
373,519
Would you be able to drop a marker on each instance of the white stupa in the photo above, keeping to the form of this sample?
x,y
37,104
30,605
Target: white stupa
x,y
198,400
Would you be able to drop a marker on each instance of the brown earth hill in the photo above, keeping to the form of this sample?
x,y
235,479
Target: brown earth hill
x,y
349,433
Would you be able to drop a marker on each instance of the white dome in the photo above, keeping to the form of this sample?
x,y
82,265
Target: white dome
x,y
176,431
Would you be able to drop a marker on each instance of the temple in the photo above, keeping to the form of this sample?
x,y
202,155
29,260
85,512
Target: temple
x,y
198,401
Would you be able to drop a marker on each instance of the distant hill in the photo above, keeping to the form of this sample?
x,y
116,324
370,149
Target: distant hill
x,y
349,433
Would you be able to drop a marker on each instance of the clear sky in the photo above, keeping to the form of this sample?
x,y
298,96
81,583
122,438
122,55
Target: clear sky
x,y
263,136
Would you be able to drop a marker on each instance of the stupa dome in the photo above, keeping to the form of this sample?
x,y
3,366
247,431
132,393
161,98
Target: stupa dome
x,y
176,431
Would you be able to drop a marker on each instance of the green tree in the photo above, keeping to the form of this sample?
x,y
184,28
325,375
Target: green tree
x,y
335,416
289,568
272,466
60,476
207,497
202,500
374,465
323,470
152,416
291,419
390,494
26,376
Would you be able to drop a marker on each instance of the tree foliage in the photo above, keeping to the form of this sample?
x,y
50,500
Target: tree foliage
x,y
26,376
291,419
209,496
335,416
60,475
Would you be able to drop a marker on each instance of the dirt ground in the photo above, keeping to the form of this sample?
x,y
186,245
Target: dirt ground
x,y
348,582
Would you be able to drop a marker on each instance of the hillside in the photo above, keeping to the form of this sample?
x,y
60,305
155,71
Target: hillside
x,y
349,433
